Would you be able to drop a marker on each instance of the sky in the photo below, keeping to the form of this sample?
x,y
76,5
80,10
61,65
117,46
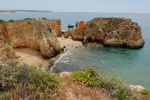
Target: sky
x,y
114,6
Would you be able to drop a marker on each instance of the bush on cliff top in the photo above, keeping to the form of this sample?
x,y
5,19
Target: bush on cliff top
x,y
11,20
27,19
27,82
2,21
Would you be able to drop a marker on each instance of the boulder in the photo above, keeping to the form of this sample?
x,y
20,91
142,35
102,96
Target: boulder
x,y
73,34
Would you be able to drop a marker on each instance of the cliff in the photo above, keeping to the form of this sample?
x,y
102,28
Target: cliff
x,y
115,32
37,34
7,53
80,26
56,26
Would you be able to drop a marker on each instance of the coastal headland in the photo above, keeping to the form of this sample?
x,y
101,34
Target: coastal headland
x,y
40,42
14,11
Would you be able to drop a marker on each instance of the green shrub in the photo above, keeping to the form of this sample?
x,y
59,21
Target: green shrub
x,y
117,88
27,19
4,96
2,21
145,92
7,78
11,20
121,95
34,83
89,78
44,18
3,40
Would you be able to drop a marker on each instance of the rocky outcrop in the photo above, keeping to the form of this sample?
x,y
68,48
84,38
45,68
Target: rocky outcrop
x,y
7,53
137,87
73,34
56,26
80,26
37,34
113,32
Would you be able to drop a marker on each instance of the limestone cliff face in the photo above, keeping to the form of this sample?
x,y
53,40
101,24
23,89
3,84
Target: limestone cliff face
x,y
37,34
56,26
113,32
80,26
7,53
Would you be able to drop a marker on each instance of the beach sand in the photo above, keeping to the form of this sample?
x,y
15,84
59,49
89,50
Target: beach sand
x,y
33,57
68,43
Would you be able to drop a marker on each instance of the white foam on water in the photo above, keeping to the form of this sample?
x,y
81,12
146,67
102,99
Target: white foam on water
x,y
62,60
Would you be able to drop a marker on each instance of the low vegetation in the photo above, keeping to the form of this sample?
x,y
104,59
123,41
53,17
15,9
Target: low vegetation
x,y
74,91
116,87
145,92
27,82
11,20
2,21
3,40
27,19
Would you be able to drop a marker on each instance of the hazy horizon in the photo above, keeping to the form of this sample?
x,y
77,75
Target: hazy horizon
x,y
106,6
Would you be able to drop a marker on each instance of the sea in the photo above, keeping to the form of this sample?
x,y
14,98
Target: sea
x,y
131,65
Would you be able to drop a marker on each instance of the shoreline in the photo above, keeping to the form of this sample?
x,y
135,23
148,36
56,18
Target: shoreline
x,y
33,57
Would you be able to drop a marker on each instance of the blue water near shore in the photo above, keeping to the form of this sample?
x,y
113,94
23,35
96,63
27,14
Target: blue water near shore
x,y
132,65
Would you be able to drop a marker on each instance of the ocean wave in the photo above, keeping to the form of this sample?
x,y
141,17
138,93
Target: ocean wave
x,y
63,59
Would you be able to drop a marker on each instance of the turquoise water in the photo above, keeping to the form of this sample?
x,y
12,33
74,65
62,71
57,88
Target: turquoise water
x,y
132,65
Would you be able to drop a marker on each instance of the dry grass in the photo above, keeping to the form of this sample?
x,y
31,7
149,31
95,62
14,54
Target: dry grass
x,y
72,91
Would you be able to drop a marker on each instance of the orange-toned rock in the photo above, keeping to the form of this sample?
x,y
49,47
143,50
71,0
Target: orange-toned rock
x,y
37,34
7,53
80,26
67,34
56,26
73,34
3,29
114,32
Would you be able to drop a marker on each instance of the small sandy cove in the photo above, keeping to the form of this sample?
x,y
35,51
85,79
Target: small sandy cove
x,y
33,57
68,43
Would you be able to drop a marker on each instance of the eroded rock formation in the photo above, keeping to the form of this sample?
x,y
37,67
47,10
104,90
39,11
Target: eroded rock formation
x,y
73,34
112,32
7,53
56,26
80,26
37,34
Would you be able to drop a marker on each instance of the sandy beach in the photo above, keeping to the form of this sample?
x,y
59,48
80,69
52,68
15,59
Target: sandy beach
x,y
33,57
68,43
